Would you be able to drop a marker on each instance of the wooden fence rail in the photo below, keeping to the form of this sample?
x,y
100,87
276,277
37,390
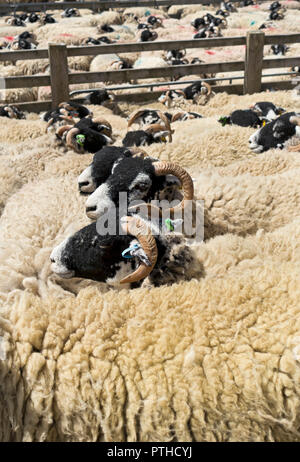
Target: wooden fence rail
x,y
103,4
60,79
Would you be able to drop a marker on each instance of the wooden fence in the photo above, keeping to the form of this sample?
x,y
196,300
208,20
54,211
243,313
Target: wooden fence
x,y
59,78
105,4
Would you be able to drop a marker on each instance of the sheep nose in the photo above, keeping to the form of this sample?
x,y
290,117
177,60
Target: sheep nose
x,y
91,209
52,260
83,183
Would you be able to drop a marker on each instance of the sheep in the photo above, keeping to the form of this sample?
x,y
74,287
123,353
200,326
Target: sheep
x,y
154,133
142,179
184,115
163,258
197,90
267,110
102,165
86,135
229,348
70,12
147,35
108,62
279,49
100,97
170,97
243,118
145,117
275,133
12,112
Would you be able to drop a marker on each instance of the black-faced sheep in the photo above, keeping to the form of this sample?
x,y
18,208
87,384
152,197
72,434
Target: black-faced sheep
x,y
102,166
12,112
279,49
275,133
243,118
99,97
137,250
155,133
87,135
267,110
147,36
140,180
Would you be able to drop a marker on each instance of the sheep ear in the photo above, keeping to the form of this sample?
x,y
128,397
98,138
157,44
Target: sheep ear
x,y
141,255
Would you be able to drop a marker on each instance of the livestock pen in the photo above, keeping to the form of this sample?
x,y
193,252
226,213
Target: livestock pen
x,y
213,352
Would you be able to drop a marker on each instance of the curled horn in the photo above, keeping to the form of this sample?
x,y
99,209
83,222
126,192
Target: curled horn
x,y
296,121
135,116
71,142
153,128
106,125
50,122
139,229
166,121
61,130
137,151
11,112
177,116
225,22
208,87
181,92
169,168
183,51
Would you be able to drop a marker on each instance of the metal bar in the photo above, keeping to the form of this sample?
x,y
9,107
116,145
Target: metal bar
x,y
162,84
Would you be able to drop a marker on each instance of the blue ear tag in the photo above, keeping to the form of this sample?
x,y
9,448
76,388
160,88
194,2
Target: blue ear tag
x,y
147,13
169,224
80,139
126,252
252,23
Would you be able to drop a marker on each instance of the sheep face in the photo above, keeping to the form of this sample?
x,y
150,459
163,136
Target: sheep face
x,y
135,178
274,134
101,168
89,255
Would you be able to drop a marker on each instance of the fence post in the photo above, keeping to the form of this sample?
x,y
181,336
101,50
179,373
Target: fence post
x,y
59,77
253,61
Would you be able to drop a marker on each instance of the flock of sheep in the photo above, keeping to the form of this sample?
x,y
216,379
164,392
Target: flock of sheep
x,y
185,340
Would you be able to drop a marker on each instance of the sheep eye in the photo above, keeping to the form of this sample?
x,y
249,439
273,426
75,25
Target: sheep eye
x,y
141,186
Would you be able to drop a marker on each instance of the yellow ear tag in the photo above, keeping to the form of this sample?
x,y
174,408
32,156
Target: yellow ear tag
x,y
264,123
163,138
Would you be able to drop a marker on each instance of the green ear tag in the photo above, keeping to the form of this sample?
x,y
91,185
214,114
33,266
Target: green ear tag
x,y
80,139
169,224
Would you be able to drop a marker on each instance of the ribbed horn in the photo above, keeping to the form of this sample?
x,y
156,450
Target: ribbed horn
x,y
137,151
177,116
106,125
71,142
209,90
139,229
166,121
138,113
61,130
295,120
169,168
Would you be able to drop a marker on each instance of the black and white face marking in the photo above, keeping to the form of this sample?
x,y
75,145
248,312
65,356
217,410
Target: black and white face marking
x,y
133,176
60,262
86,183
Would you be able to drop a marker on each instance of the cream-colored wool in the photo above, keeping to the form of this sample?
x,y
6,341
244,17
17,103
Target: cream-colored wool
x,y
213,359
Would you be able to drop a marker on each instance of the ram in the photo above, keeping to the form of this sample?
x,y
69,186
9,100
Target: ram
x,y
87,135
102,166
144,249
276,133
141,180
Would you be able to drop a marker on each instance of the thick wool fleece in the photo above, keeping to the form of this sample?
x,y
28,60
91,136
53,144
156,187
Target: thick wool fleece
x,y
217,360
213,359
